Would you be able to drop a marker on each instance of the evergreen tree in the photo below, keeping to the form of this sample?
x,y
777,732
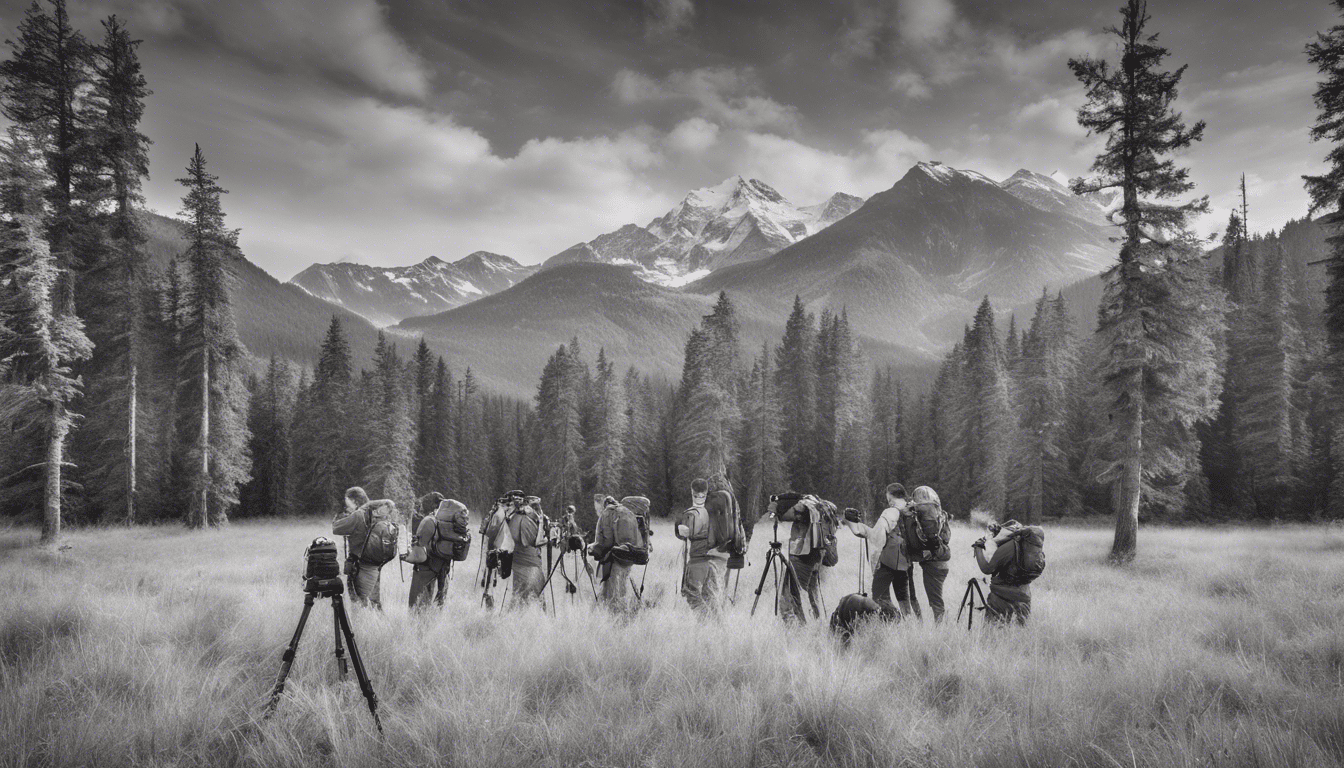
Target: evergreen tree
x,y
708,412
437,449
213,350
761,458
270,417
389,473
639,433
113,290
472,447
558,416
985,416
848,466
1159,270
1327,193
322,428
1041,477
605,447
41,340
1271,433
423,404
795,382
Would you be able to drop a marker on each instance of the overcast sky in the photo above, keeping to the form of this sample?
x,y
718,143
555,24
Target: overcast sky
x,y
388,132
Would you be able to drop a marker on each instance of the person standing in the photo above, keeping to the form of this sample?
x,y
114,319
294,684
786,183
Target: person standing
x,y
528,529
891,568
618,541
706,567
438,533
928,539
363,577
806,546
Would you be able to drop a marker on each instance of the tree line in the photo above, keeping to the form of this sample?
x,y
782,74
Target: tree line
x,y
123,385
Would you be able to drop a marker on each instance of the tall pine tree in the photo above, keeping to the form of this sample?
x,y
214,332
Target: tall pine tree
x,y
1150,308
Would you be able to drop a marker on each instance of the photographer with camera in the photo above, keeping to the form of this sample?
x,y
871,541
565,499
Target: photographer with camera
x,y
441,539
891,571
371,541
811,547
1018,559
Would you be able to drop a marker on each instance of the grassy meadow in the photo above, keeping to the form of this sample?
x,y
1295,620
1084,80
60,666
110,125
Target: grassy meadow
x,y
159,646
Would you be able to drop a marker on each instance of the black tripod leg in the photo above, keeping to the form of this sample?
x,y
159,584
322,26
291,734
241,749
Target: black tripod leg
x,y
287,658
341,668
765,574
365,686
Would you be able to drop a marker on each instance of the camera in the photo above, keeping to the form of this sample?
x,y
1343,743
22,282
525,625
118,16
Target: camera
x,y
993,526
321,568
979,543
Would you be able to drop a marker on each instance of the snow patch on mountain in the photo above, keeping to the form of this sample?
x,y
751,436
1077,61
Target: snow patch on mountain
x,y
733,222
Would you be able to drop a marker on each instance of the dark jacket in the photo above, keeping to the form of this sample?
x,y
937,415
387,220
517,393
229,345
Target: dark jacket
x,y
354,526
996,565
617,524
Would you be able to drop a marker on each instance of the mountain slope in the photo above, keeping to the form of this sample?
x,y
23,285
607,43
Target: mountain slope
x,y
736,221
506,338
273,318
388,295
927,249
1046,193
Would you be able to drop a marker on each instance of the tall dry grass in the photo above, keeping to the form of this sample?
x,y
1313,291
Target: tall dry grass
x,y
158,647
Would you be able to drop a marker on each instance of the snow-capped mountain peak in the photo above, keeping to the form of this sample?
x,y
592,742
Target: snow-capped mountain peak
x,y
735,221
386,295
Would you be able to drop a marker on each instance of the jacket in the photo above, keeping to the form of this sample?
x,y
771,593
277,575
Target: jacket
x,y
354,526
697,520
1005,550
884,537
803,530
524,526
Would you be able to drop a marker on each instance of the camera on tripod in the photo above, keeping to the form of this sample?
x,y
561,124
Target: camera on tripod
x,y
321,568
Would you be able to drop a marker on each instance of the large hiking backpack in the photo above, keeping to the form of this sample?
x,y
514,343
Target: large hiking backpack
x,y
450,540
496,531
515,526
921,546
1029,562
631,538
827,522
381,538
726,533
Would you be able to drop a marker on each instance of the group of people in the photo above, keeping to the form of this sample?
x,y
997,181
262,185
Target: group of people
x,y
911,533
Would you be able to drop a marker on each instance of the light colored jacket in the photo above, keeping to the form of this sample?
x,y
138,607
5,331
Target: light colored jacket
x,y
696,519
884,536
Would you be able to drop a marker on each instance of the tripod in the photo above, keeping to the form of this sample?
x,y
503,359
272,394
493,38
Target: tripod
x,y
777,562
973,592
332,588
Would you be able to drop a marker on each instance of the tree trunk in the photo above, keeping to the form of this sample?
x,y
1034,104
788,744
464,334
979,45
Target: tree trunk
x,y
204,513
1131,482
1034,509
58,424
130,437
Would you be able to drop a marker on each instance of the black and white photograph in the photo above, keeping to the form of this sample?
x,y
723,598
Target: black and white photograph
x,y
672,383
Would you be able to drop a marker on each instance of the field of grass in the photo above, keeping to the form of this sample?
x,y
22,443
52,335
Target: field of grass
x,y
159,646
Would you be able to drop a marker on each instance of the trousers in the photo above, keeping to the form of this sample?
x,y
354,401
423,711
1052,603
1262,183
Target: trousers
x,y
885,582
809,582
428,582
704,579
364,583
616,586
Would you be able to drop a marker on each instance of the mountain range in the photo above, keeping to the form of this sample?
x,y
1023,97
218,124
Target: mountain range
x,y
910,265
736,221
385,296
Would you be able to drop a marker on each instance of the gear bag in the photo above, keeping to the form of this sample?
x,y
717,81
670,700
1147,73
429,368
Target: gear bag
x,y
852,610
450,540
381,538
827,522
1029,562
927,534
631,532
726,533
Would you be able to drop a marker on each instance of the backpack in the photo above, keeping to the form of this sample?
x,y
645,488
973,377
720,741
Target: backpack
x,y
917,547
726,533
1029,562
516,528
497,534
381,540
851,610
454,544
828,522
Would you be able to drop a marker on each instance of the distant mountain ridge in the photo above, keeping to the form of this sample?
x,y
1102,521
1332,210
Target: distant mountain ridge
x,y
912,262
734,222
388,295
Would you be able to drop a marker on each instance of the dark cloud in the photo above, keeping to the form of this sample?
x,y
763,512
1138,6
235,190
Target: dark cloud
x,y
387,132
